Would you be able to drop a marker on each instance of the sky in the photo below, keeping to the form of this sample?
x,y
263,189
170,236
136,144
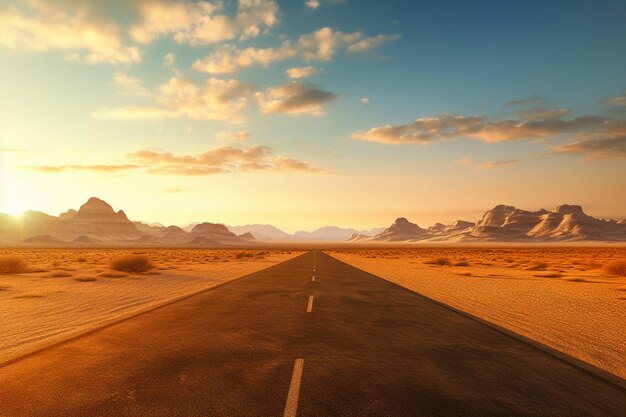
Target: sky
x,y
309,113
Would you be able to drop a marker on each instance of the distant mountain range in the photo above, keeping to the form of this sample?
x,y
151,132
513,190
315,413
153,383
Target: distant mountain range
x,y
95,223
509,224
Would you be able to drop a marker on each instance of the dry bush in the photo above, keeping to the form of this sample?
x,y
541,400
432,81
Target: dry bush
x,y
59,274
462,263
538,266
617,267
241,255
132,263
85,279
12,265
439,261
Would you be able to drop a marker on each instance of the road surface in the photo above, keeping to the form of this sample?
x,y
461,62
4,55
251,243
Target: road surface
x,y
311,336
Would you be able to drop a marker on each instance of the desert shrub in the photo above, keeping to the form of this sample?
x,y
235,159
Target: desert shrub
x,y
12,264
241,255
462,263
60,274
537,266
132,263
85,279
439,261
617,267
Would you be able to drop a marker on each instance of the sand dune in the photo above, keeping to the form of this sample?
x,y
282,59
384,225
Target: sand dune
x,y
559,297
75,290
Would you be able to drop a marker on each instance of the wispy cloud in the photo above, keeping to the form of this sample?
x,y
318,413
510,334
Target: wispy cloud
x,y
129,85
234,136
596,149
222,159
369,44
449,126
101,168
321,45
469,162
530,101
295,97
616,104
13,150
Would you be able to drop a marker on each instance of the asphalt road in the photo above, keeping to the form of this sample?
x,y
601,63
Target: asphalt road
x,y
280,343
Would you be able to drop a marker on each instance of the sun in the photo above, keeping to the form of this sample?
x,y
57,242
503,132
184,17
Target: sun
x,y
11,206
15,198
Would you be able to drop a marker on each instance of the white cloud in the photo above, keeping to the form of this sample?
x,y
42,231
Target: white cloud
x,y
169,59
227,59
199,23
365,100
234,136
221,159
129,85
315,4
321,45
216,99
295,97
76,28
312,4
301,72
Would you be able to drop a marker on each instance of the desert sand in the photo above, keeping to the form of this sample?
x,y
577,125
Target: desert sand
x,y
65,292
561,297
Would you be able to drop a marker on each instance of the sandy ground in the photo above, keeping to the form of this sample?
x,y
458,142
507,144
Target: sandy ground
x,y
67,292
561,297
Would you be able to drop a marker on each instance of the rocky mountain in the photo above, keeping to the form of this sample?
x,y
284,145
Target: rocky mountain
x,y
510,224
400,230
264,232
213,231
326,233
358,237
95,223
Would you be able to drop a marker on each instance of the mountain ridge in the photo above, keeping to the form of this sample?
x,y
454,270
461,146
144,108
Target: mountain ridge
x,y
96,223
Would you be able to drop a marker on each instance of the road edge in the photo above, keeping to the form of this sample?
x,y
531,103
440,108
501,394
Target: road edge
x,y
563,357
130,315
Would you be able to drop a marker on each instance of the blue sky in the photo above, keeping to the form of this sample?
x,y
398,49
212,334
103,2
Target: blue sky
x,y
404,115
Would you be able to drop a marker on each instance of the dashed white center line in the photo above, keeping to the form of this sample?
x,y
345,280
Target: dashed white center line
x,y
309,307
313,278
291,407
